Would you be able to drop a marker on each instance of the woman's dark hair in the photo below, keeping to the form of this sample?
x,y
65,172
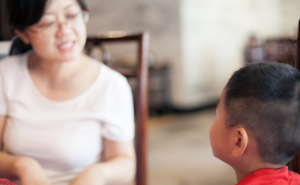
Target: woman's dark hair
x,y
24,13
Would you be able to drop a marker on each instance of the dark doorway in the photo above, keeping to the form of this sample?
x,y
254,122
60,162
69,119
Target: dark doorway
x,y
5,32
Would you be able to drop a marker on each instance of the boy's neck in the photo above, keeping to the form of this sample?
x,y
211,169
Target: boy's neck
x,y
240,174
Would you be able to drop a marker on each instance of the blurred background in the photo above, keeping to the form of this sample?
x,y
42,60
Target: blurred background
x,y
195,46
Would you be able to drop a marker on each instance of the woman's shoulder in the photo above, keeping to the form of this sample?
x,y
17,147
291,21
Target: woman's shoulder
x,y
111,81
16,57
13,61
111,74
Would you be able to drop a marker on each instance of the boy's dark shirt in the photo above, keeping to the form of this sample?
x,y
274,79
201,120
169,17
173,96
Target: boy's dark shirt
x,y
268,176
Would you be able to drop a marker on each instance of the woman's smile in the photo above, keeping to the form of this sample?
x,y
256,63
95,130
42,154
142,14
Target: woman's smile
x,y
66,46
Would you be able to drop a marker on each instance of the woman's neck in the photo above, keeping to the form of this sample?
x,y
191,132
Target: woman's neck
x,y
54,70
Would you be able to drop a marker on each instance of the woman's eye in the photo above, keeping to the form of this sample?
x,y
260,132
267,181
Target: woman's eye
x,y
72,16
47,24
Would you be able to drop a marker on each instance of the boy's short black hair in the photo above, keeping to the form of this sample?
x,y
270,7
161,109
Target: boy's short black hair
x,y
265,99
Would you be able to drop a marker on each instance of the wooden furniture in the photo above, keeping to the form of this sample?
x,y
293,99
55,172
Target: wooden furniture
x,y
297,63
159,90
140,93
282,50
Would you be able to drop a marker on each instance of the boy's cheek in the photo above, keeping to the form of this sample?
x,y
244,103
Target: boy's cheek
x,y
215,142
210,135
214,149
212,140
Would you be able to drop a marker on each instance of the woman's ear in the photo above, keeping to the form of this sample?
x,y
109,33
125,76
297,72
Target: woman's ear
x,y
23,36
241,141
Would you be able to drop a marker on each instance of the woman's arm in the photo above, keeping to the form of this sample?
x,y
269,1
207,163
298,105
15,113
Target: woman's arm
x,y
16,167
7,161
118,166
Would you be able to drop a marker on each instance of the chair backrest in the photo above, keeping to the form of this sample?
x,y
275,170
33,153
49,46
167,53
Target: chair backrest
x,y
297,63
140,92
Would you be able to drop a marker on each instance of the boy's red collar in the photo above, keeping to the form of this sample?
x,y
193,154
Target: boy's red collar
x,y
265,171
6,182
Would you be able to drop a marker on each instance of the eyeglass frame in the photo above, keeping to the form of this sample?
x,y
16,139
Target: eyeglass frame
x,y
84,13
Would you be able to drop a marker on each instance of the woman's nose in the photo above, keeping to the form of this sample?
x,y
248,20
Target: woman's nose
x,y
64,28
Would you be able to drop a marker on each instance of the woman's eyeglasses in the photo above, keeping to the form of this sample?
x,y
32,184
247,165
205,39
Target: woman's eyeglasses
x,y
52,27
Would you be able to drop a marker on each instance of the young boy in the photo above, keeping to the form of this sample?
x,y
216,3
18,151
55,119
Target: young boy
x,y
257,125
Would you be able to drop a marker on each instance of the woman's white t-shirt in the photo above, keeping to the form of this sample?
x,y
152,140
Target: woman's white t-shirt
x,y
65,137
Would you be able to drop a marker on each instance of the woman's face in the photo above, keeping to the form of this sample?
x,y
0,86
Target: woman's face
x,y
60,34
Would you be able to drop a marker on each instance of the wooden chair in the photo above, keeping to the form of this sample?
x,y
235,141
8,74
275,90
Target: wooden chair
x,y
297,62
140,93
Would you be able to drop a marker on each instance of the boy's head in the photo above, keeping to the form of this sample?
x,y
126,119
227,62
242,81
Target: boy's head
x,y
260,102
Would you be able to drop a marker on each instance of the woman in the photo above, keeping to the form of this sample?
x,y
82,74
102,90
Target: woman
x,y
64,117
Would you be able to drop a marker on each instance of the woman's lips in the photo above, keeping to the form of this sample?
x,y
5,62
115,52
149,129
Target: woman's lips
x,y
66,45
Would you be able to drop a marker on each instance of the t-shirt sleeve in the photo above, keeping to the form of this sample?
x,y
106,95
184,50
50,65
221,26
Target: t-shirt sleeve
x,y
118,125
3,99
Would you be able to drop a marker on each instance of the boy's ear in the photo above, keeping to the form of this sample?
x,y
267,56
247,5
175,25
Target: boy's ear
x,y
23,36
240,141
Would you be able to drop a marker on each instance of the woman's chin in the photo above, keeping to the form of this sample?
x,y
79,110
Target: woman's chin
x,y
64,58
68,56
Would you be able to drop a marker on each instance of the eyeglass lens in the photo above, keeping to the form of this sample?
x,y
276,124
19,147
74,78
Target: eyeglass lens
x,y
71,22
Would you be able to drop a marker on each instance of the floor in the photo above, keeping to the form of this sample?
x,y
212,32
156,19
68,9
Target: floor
x,y
180,153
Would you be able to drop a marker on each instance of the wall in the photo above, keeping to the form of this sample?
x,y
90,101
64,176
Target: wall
x,y
213,36
290,15
159,17
202,40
